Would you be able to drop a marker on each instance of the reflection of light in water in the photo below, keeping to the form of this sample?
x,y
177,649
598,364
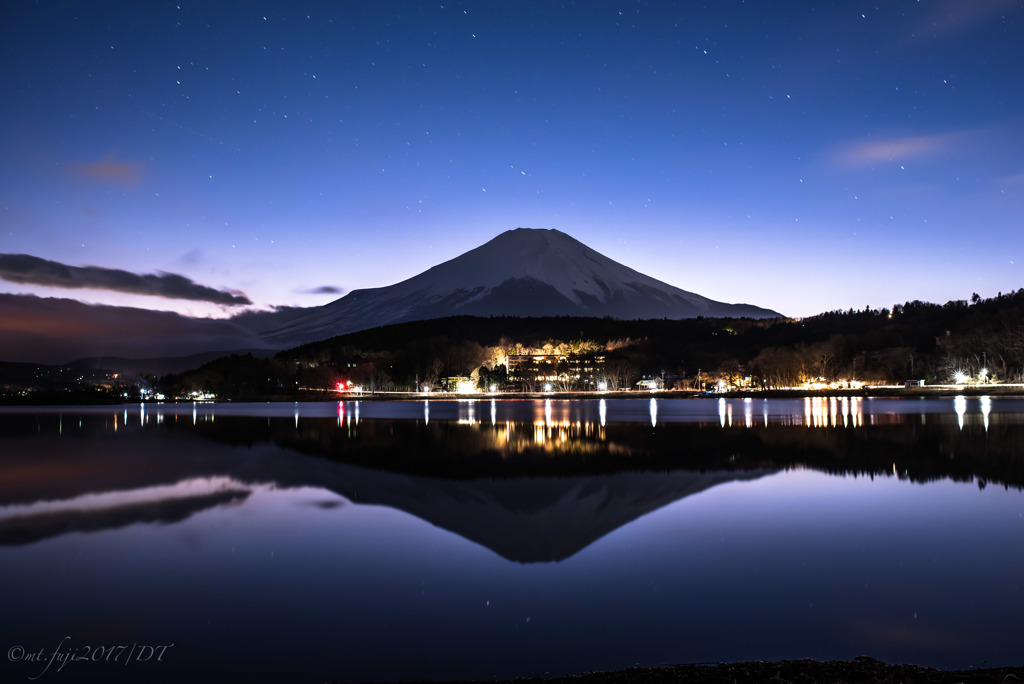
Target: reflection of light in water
x,y
835,412
296,415
721,411
748,412
357,413
852,412
467,411
557,426
494,412
557,436
654,412
986,408
817,408
960,406
193,413
502,436
142,414
426,411
341,413
764,410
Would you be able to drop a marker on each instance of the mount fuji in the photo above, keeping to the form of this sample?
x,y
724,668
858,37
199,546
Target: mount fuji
x,y
522,272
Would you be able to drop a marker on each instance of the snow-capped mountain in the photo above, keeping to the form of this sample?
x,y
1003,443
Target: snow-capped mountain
x,y
522,272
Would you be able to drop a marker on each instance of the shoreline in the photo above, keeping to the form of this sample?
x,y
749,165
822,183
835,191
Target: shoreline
x,y
861,669
867,392
304,396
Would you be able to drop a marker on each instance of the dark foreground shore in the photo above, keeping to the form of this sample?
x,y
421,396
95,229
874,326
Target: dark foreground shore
x,y
862,669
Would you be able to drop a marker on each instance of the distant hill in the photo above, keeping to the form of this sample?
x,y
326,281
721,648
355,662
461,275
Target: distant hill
x,y
915,340
50,330
159,365
523,272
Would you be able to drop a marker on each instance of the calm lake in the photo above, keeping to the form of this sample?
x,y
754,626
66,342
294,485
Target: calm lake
x,y
478,539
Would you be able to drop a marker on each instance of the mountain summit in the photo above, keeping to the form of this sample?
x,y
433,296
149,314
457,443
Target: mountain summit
x,y
522,272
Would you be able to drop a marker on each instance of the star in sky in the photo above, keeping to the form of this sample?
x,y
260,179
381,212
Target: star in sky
x,y
806,157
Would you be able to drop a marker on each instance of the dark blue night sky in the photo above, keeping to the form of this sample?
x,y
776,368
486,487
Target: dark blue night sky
x,y
802,156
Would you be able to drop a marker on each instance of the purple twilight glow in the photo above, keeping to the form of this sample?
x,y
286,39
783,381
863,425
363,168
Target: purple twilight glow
x,y
800,156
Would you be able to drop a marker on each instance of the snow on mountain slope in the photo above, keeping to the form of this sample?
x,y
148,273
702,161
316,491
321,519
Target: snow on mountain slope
x,y
522,272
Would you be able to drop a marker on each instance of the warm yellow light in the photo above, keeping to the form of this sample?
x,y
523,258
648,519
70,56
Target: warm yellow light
x,y
466,387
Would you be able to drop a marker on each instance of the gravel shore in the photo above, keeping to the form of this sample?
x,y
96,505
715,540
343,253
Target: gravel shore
x,y
856,671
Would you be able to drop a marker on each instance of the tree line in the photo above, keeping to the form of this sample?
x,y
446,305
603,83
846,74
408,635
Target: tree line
x,y
981,339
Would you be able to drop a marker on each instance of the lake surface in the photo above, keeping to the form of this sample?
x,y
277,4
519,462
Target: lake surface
x,y
477,539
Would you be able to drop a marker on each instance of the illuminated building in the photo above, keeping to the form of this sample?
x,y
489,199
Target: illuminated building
x,y
564,371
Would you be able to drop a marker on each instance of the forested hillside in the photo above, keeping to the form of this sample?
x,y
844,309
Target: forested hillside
x,y
977,339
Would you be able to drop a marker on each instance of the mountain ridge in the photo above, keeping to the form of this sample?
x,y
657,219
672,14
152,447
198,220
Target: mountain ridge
x,y
522,272
525,273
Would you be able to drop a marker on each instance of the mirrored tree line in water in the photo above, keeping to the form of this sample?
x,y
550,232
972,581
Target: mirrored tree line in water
x,y
794,527
834,436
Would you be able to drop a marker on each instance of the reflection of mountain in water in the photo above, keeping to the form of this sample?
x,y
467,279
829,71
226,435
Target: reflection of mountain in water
x,y
163,474
528,491
536,518
914,447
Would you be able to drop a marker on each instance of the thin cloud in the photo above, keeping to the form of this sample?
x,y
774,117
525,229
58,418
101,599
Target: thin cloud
x,y
49,330
867,153
192,258
1016,179
30,270
323,289
951,17
127,174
